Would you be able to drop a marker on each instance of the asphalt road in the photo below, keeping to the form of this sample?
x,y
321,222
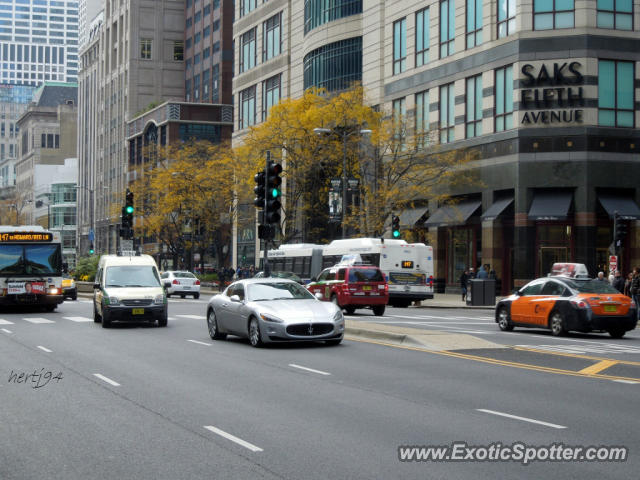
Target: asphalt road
x,y
481,323
152,403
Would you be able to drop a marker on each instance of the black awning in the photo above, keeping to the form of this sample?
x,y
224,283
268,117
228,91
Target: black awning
x,y
626,207
449,215
411,216
497,208
550,205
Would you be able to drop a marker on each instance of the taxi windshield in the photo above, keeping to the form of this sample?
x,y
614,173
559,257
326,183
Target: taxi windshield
x,y
132,276
591,286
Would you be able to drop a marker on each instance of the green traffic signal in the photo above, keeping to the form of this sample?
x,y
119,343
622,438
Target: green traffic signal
x,y
275,192
129,209
396,233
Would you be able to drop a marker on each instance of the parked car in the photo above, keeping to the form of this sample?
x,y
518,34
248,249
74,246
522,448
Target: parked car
x,y
562,304
181,283
273,310
352,287
289,275
69,288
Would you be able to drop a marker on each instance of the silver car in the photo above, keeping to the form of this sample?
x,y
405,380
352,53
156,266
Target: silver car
x,y
273,310
181,283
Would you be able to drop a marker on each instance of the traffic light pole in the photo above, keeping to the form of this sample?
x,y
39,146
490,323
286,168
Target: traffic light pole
x,y
265,260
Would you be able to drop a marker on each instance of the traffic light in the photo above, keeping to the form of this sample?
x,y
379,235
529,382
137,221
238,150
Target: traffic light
x,y
395,226
129,202
91,249
127,216
273,192
619,229
259,189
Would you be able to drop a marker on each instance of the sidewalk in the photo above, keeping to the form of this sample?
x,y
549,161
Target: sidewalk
x,y
451,300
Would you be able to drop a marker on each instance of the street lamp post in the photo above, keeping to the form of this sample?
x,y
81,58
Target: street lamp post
x,y
344,133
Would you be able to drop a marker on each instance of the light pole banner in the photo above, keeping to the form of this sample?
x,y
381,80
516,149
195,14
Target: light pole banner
x,y
335,200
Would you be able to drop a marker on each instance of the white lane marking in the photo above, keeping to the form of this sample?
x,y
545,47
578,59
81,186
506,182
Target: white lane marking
x,y
106,379
44,349
192,317
78,319
524,419
5,322
38,320
6,331
630,382
233,438
438,317
440,327
84,301
602,348
200,343
309,369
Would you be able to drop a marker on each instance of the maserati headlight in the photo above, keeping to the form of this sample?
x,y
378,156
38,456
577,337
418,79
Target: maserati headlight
x,y
270,318
338,317
160,299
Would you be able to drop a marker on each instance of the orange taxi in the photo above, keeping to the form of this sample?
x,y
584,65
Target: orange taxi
x,y
568,302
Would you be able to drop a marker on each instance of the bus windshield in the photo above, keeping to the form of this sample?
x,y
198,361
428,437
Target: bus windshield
x,y
30,259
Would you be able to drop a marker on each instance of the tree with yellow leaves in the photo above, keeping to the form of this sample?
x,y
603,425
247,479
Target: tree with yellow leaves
x,y
321,136
185,196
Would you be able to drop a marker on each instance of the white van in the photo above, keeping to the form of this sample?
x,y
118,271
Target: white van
x,y
128,288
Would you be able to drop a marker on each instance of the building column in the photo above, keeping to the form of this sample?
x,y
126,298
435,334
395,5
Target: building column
x,y
439,236
634,245
492,245
524,250
584,235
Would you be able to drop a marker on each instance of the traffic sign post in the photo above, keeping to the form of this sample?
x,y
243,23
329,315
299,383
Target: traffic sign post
x,y
613,263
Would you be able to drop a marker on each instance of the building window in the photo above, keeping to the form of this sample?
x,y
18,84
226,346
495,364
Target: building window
x,y
399,46
399,115
550,14
422,117
248,50
319,12
247,108
189,22
270,95
473,100
422,37
215,74
272,39
504,98
616,93
206,78
246,6
334,66
196,87
506,18
447,119
196,38
447,27
474,23
187,89
615,14
178,50
206,32
145,49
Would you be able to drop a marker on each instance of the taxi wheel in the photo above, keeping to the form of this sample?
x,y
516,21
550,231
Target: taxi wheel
x,y
378,310
556,324
106,321
254,333
162,322
96,317
212,325
196,296
616,333
503,320
350,309
182,295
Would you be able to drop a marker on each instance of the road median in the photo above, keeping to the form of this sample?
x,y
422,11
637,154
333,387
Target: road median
x,y
412,337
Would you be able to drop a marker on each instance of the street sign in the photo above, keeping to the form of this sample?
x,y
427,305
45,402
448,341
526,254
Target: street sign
x,y
126,245
613,263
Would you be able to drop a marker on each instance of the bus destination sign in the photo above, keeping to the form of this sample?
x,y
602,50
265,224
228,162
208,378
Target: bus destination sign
x,y
26,237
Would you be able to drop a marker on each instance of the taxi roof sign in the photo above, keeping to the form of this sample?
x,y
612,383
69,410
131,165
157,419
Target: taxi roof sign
x,y
572,270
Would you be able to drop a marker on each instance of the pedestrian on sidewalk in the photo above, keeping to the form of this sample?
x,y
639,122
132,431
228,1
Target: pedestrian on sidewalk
x,y
627,284
601,277
635,286
482,273
618,281
464,280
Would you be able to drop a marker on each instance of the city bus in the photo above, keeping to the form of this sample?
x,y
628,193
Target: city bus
x,y
407,266
30,267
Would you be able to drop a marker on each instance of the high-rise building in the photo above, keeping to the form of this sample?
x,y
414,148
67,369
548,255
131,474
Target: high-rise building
x,y
545,95
38,41
127,70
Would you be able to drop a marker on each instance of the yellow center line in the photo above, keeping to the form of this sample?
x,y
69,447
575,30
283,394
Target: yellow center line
x,y
573,355
495,361
598,367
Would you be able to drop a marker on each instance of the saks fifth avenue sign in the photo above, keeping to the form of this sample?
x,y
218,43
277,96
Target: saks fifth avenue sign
x,y
551,93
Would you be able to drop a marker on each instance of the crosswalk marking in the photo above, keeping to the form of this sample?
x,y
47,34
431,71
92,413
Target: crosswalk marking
x,y
38,320
5,322
78,319
582,349
191,317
